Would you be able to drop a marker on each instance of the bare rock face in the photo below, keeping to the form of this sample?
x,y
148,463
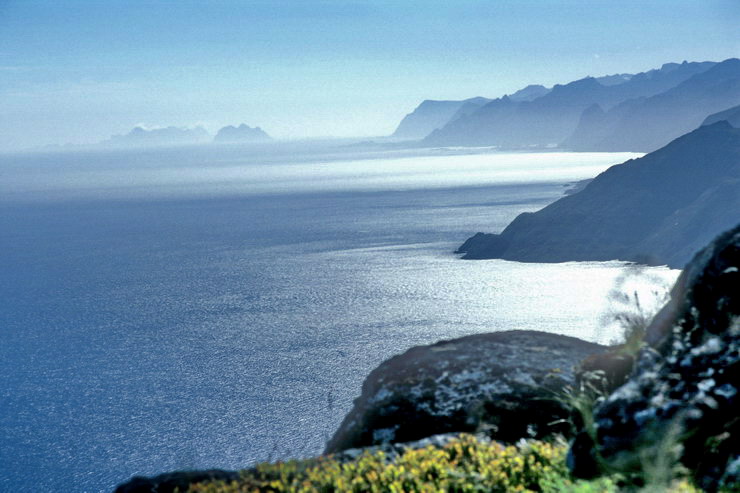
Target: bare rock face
x,y
682,398
505,383
173,482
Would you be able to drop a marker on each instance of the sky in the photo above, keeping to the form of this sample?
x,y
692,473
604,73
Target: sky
x,y
80,71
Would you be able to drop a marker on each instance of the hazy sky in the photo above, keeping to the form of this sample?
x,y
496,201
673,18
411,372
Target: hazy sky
x,y
79,71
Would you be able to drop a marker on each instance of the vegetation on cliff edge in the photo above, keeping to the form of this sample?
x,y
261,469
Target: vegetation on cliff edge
x,y
465,464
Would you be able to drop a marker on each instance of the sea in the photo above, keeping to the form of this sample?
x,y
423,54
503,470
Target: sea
x,y
218,306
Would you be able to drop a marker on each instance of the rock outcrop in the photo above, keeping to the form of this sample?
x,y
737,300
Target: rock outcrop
x,y
659,209
682,398
172,482
505,383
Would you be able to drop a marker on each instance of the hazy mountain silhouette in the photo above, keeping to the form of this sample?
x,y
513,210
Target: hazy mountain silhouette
x,y
645,124
553,117
529,93
241,134
140,137
431,114
658,209
732,116
507,122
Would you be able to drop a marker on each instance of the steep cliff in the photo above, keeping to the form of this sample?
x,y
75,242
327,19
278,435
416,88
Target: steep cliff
x,y
658,209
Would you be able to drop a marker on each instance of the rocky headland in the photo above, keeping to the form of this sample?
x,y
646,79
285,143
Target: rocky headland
x,y
431,114
658,209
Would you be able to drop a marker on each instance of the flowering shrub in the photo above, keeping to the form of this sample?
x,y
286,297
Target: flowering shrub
x,y
462,465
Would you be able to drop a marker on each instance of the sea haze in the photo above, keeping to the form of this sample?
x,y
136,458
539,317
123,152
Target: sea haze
x,y
216,306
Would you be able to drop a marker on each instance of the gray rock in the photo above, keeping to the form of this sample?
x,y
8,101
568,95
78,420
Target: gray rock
x,y
392,451
505,383
174,481
682,398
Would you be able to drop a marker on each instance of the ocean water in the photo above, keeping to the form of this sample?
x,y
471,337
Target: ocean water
x,y
214,307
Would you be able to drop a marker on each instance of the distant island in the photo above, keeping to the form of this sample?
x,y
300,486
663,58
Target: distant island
x,y
241,134
171,135
658,209
141,137
619,112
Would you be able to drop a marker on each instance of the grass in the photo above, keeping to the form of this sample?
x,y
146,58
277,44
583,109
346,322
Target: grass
x,y
631,312
466,464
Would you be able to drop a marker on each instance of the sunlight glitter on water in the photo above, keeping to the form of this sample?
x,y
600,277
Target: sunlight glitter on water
x,y
163,313
168,175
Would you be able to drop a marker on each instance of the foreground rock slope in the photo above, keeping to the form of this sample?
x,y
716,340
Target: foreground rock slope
x,y
682,400
659,209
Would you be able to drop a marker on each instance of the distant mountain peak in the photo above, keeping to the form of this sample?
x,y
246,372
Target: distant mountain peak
x,y
666,67
529,93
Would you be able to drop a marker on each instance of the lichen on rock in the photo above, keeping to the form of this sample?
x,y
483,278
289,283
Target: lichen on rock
x,y
505,383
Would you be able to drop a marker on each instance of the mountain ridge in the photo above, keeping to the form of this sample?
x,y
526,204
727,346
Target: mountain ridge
x,y
645,124
553,117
